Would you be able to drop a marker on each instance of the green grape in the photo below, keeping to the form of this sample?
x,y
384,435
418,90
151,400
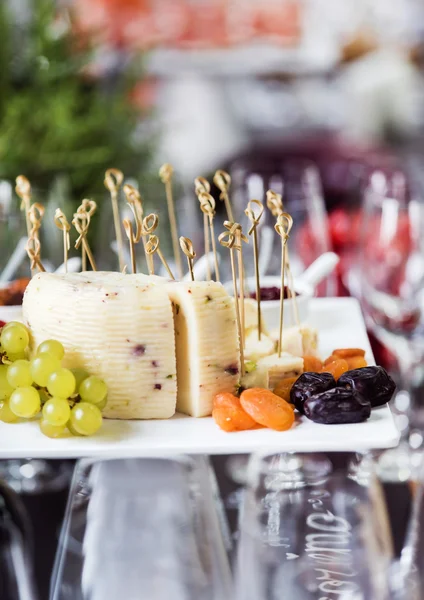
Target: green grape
x,y
52,347
19,374
80,375
72,429
42,366
51,431
61,383
93,389
86,418
6,415
56,411
25,402
101,405
5,388
17,324
14,338
17,356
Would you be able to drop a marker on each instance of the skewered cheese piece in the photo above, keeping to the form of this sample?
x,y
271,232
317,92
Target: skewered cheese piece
x,y
281,367
208,360
258,377
255,348
115,327
299,341
251,316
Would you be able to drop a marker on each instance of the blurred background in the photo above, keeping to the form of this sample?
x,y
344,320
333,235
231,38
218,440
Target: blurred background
x,y
265,89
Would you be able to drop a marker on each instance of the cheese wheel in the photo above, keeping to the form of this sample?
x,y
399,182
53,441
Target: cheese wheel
x,y
115,327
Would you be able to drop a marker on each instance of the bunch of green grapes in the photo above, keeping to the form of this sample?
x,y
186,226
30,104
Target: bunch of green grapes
x,y
64,399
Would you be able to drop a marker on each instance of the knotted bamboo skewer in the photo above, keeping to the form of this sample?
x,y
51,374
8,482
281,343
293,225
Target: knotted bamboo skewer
x,y
207,206
165,173
33,246
274,202
113,181
152,246
81,222
201,185
187,247
61,223
149,225
228,239
282,227
254,218
222,180
23,190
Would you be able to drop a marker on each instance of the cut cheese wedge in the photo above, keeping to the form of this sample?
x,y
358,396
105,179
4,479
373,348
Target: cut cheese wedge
x,y
281,367
114,326
207,349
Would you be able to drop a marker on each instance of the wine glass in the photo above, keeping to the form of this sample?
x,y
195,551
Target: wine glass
x,y
142,528
391,269
308,530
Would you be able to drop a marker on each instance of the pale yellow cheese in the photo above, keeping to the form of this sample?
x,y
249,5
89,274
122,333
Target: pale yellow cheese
x,y
281,367
255,349
114,326
207,349
299,341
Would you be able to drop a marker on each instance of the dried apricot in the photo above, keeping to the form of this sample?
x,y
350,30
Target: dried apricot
x,y
348,352
229,414
284,387
329,360
356,362
312,364
267,408
336,368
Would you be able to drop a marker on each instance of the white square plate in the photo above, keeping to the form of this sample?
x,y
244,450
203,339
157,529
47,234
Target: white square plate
x,y
340,325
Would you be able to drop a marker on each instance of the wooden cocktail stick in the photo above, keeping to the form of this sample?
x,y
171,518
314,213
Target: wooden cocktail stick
x,y
201,185
207,206
274,203
236,230
81,222
283,227
61,222
152,246
86,210
187,248
23,189
33,247
113,182
254,218
222,180
165,173
228,240
149,225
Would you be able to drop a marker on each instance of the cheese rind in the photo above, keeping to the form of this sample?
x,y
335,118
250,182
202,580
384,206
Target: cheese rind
x,y
208,358
115,327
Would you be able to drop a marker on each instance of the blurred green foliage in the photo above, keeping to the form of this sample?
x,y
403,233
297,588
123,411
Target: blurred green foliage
x,y
58,121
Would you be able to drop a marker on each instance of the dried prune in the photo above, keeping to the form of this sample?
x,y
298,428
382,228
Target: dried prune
x,y
374,383
309,384
337,406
